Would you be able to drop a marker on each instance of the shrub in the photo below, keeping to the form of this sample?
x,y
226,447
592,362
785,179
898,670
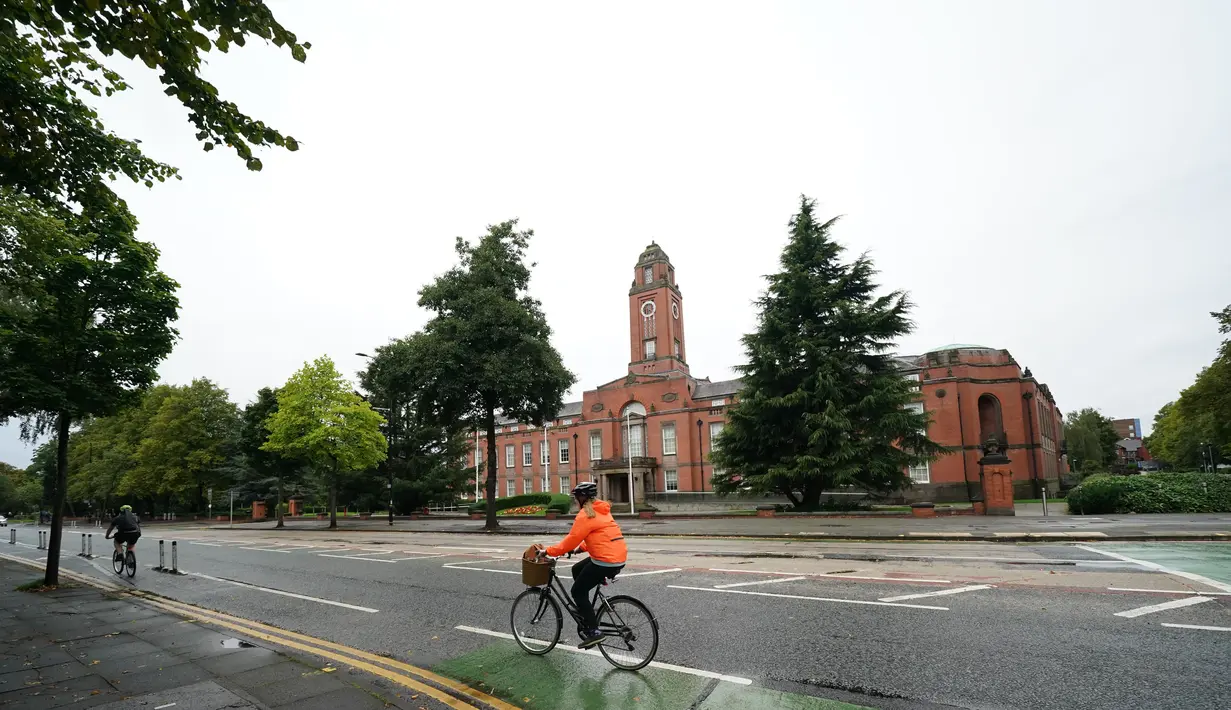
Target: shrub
x,y
558,502
1152,493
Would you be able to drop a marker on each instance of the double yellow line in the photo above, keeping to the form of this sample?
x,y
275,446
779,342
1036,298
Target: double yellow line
x,y
420,680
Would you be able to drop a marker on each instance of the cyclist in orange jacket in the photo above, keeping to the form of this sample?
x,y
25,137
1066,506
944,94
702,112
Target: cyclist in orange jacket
x,y
596,533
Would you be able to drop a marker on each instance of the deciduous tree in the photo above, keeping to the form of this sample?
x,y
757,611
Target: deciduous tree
x,y
823,403
487,347
1091,440
268,471
85,320
321,421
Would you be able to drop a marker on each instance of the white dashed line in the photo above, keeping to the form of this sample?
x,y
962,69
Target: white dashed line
x,y
285,594
827,575
1169,591
1153,608
815,599
760,581
653,571
937,593
1199,628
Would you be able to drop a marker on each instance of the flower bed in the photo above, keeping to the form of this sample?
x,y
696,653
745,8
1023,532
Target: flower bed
x,y
524,510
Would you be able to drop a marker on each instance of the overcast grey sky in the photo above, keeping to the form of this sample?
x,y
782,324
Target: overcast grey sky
x,y
1046,177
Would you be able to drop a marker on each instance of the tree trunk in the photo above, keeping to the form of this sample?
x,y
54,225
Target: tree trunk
x,y
52,577
280,522
790,495
492,524
811,496
333,496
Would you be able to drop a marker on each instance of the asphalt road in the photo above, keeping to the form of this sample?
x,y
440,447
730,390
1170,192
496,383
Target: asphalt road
x,y
1018,626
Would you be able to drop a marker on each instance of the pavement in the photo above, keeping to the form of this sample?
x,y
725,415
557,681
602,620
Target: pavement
x,y
752,622
1215,526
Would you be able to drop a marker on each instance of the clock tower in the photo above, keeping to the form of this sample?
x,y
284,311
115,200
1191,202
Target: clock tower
x,y
656,317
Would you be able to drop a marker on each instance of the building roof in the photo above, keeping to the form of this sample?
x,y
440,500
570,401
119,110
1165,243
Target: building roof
x,y
710,390
1129,445
960,346
568,409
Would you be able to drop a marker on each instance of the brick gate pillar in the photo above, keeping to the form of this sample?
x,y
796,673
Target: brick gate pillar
x,y
996,480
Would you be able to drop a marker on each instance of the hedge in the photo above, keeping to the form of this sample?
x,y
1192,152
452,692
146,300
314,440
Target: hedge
x,y
554,501
1152,493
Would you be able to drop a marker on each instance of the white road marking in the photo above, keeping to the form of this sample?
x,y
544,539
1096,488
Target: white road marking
x,y
420,557
828,575
1153,608
1169,591
269,590
207,544
168,705
480,569
471,549
622,575
815,599
937,593
760,581
1160,568
1200,628
361,559
267,549
592,652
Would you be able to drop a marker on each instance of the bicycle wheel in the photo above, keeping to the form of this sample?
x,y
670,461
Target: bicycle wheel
x,y
117,562
130,561
631,633
536,621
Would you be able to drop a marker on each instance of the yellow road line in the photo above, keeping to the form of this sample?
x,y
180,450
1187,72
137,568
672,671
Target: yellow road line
x,y
367,658
361,665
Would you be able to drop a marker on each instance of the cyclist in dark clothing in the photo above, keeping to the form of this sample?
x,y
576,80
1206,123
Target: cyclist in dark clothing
x,y
127,528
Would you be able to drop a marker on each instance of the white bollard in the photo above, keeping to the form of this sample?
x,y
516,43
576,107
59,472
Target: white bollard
x,y
82,554
12,537
89,545
175,566
162,560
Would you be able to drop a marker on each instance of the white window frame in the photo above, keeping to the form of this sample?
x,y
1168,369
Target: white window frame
x,y
669,450
650,349
527,484
647,274
510,487
564,452
636,441
596,445
715,430
920,474
510,456
566,422
718,403
478,456
513,428
544,453
564,484
677,348
527,454
671,480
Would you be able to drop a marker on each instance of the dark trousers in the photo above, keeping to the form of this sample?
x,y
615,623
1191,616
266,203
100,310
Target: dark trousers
x,y
587,576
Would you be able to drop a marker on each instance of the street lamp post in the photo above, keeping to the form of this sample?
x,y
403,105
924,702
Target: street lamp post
x,y
628,433
392,435
576,458
701,454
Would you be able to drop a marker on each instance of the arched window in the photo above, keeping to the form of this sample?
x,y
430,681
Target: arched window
x,y
990,422
633,428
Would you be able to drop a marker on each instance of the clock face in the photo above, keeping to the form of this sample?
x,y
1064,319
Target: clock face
x,y
675,310
647,309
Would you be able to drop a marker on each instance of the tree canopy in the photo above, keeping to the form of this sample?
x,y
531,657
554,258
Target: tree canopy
x,y
1195,431
1091,440
266,470
823,403
321,421
54,147
487,347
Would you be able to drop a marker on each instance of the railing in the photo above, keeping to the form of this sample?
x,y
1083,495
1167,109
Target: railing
x,y
637,462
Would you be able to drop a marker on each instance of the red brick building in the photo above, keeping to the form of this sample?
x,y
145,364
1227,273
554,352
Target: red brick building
x,y
654,425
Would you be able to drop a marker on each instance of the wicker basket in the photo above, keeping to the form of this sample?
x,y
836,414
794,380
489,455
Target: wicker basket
x,y
536,573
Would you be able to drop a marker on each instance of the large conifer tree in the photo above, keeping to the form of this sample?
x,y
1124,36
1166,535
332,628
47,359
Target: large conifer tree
x,y
823,403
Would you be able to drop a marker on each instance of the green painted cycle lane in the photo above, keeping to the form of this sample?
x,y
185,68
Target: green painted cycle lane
x,y
1208,559
571,681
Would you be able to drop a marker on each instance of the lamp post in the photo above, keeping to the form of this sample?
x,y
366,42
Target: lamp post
x,y
576,458
392,434
628,433
546,459
701,454
476,465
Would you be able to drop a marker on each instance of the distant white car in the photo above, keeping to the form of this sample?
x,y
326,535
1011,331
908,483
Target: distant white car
x,y
4,522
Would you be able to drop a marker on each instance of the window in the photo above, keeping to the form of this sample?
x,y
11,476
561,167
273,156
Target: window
x,y
671,479
526,485
649,350
676,352
527,454
512,428
596,445
499,430
918,408
510,487
715,430
718,403
564,487
668,440
566,422
564,452
636,443
508,456
647,274
478,456
920,473
545,454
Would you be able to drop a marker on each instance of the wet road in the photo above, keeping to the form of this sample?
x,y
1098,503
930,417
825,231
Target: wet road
x,y
892,625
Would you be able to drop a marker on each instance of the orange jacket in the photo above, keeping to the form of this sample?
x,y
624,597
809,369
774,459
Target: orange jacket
x,y
599,536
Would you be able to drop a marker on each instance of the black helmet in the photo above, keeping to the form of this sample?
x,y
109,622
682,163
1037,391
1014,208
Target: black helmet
x,y
587,490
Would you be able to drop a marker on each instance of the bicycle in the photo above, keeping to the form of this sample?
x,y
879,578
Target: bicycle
x,y
120,561
615,616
